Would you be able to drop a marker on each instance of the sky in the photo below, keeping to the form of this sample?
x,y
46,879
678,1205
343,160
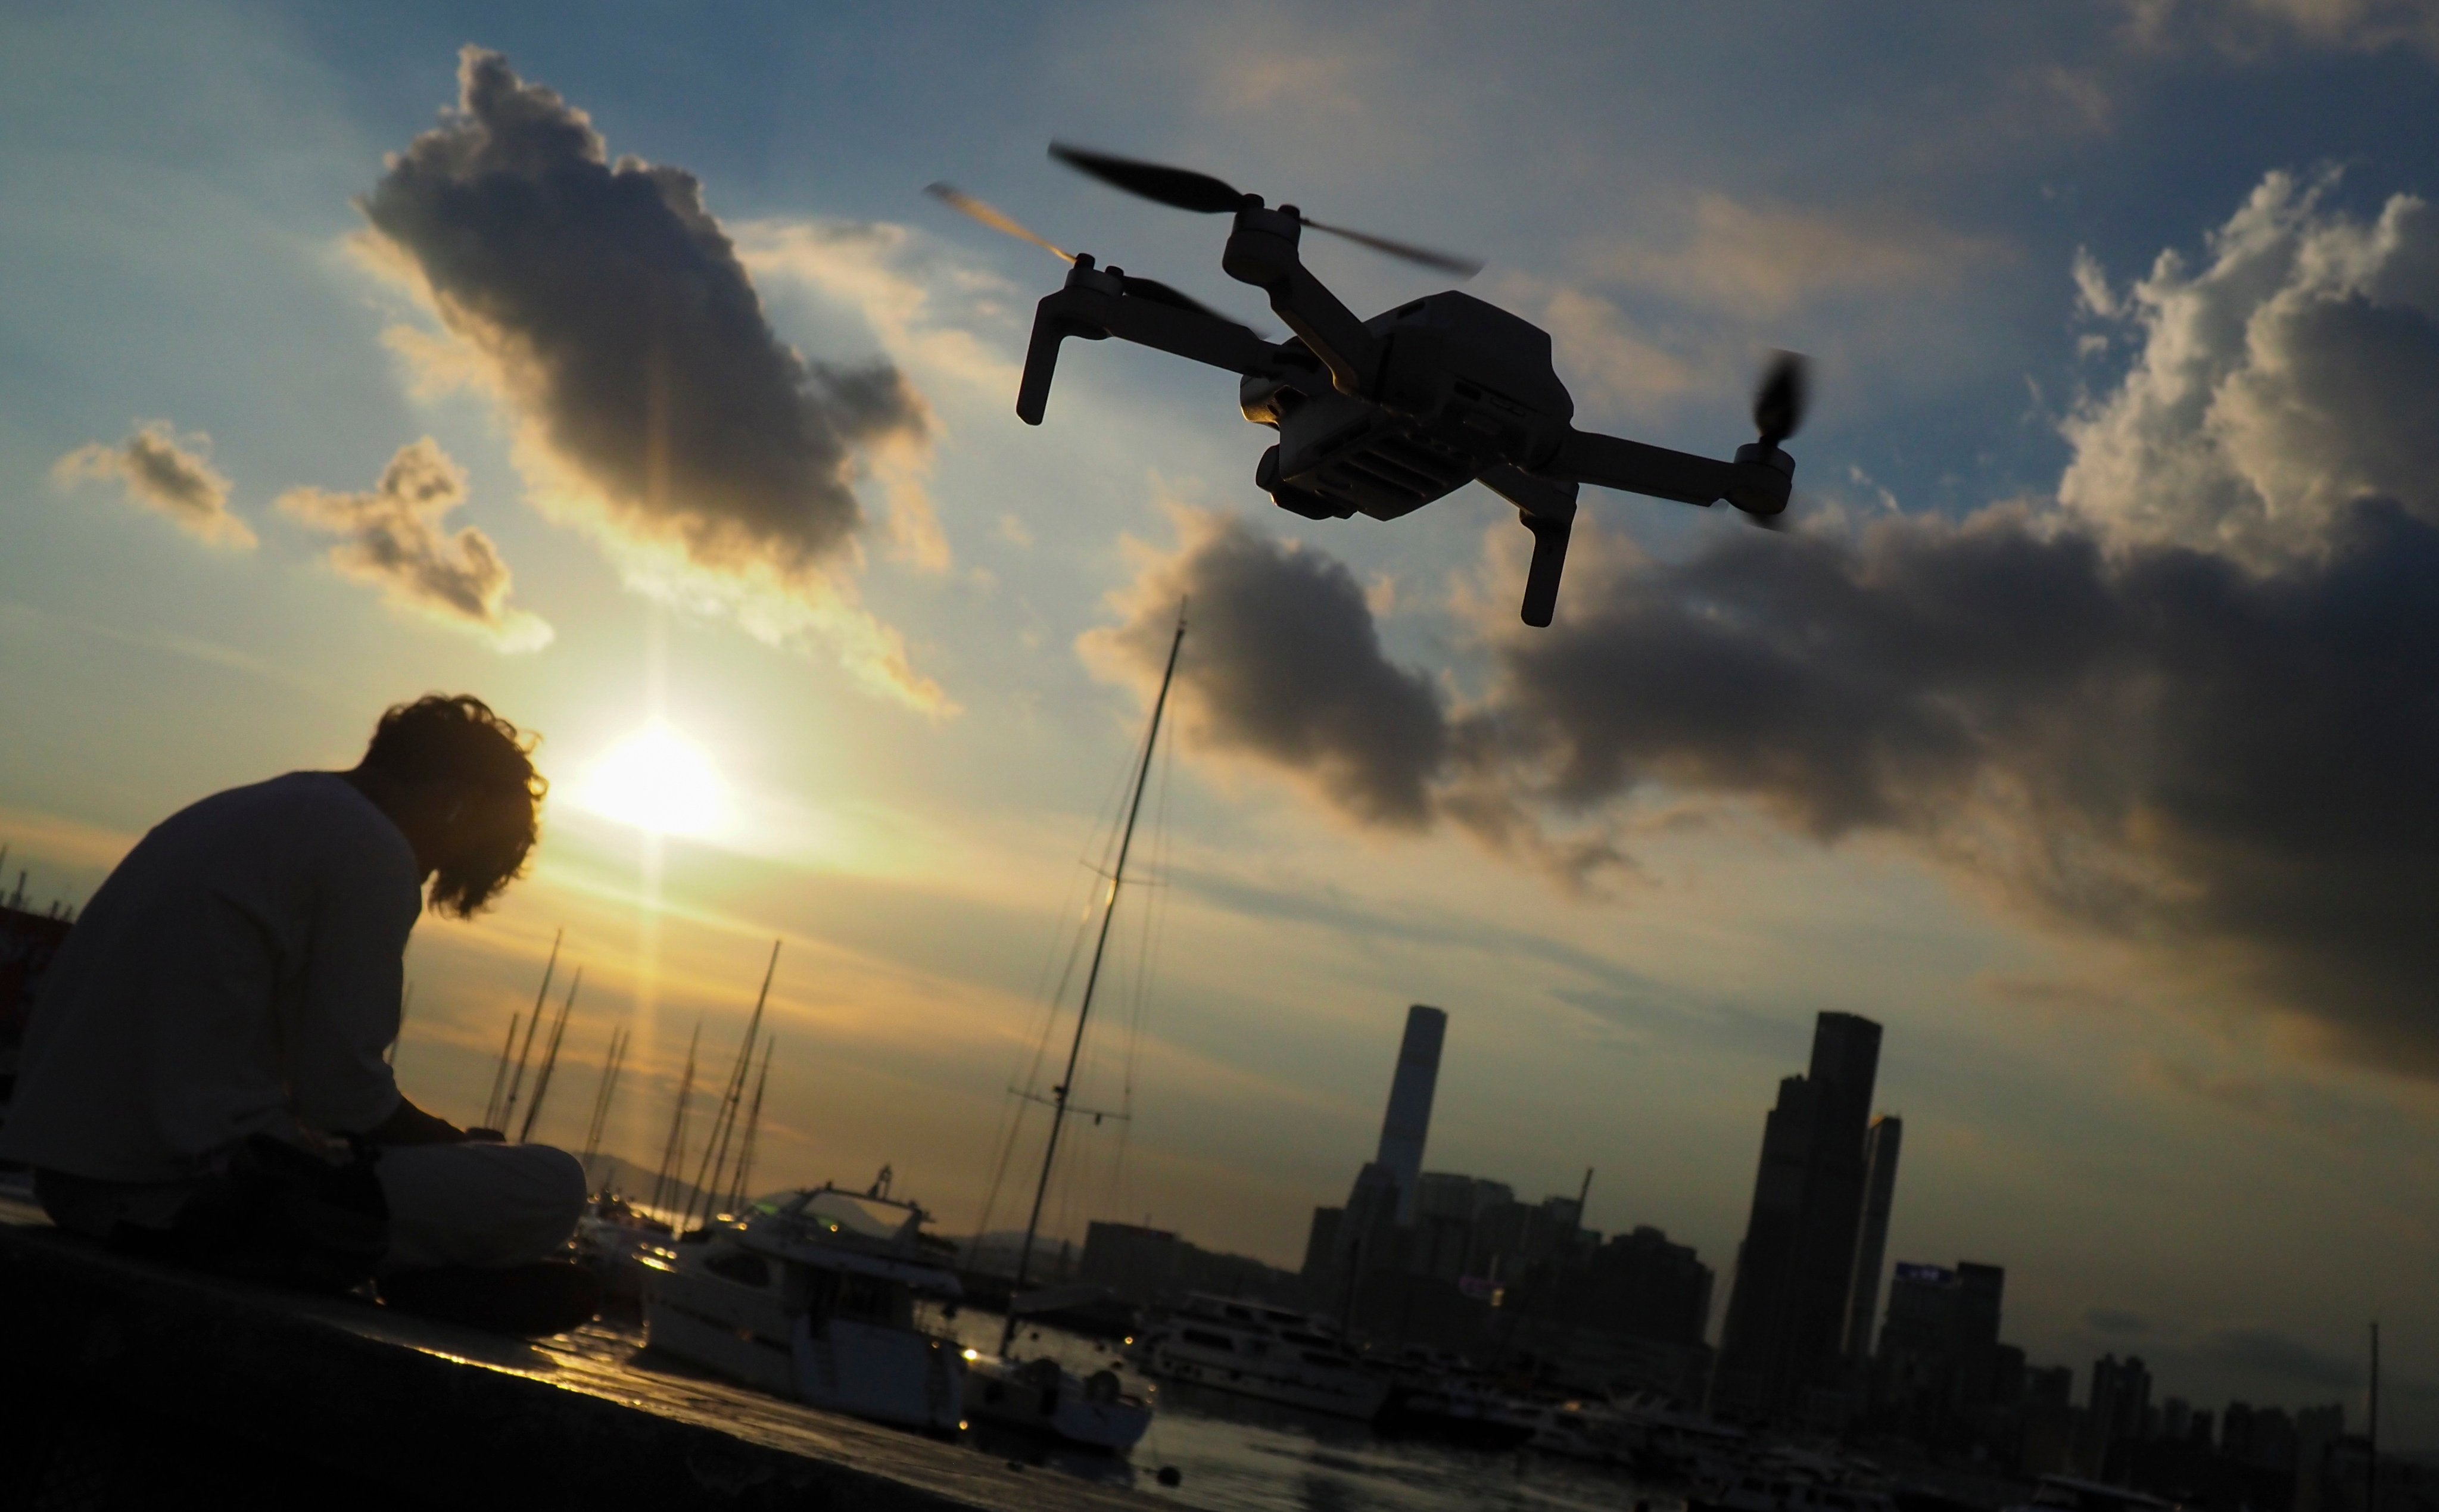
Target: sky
x,y
619,372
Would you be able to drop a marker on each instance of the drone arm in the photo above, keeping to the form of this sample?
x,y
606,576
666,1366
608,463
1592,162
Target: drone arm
x,y
1262,251
1756,482
1097,315
1351,353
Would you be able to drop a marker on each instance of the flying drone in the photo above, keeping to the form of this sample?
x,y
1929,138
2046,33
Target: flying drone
x,y
1381,417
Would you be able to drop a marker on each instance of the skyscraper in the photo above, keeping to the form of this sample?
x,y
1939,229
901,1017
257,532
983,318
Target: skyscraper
x,y
1791,1304
1880,1143
1407,1121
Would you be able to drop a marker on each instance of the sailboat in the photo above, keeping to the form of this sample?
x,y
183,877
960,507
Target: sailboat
x,y
1042,1395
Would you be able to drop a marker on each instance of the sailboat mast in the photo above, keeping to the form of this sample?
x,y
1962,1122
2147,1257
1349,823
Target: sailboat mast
x,y
1091,978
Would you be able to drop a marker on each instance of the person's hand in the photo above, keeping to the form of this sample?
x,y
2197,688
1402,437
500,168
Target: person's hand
x,y
486,1136
411,1125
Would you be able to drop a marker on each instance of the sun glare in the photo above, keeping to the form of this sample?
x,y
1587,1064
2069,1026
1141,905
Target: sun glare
x,y
658,780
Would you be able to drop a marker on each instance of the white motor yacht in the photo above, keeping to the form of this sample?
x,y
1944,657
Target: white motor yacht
x,y
1043,1396
812,1296
1257,1350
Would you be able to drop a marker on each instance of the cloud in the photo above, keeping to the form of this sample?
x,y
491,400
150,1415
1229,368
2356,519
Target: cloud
x,y
2250,28
1761,260
2213,755
166,472
607,307
2295,372
2116,1322
395,543
1284,665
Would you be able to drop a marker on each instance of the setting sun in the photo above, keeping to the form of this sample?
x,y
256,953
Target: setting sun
x,y
656,779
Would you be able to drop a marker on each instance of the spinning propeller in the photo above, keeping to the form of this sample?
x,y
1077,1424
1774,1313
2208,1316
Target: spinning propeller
x,y
998,219
1183,188
1778,413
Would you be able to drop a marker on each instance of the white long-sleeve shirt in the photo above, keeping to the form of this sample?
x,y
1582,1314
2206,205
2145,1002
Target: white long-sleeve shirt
x,y
240,971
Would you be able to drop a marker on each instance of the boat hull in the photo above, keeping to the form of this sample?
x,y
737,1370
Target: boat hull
x,y
887,1375
1054,1404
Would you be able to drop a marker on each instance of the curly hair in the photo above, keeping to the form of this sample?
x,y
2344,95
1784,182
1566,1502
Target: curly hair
x,y
456,742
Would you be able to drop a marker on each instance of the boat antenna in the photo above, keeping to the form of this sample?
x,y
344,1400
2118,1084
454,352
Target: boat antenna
x,y
611,1061
500,1076
516,1082
1060,1092
737,1193
551,1057
673,1148
715,1150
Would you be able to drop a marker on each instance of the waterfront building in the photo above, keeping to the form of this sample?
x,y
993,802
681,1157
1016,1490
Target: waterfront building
x,y
1782,1352
1939,1375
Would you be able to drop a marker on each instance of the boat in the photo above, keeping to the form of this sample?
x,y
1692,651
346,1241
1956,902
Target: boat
x,y
1257,1350
1041,1395
612,1238
1438,1395
1456,1410
811,1294
1045,1397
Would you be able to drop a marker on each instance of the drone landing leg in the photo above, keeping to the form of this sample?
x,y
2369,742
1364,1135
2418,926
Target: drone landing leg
x,y
1547,507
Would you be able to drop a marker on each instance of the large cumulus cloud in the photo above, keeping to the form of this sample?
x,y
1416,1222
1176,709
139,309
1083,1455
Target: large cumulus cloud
x,y
2295,371
2170,711
607,305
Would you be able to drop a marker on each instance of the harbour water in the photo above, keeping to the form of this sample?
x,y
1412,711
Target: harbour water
x,y
1236,1454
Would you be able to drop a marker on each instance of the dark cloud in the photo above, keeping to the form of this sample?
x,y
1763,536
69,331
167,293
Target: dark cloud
x,y
1285,664
395,542
2116,1322
2195,709
2268,1352
165,471
2158,745
609,306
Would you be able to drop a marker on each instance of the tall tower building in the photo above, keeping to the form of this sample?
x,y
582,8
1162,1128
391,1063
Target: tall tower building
x,y
1792,1304
1880,1143
1408,1122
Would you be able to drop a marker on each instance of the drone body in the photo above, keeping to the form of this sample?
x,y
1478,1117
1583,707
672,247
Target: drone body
x,y
1382,416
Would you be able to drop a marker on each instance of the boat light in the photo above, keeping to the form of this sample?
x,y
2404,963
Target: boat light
x,y
973,1354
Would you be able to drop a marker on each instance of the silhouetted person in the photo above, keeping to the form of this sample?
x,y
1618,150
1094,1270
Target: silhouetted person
x,y
237,976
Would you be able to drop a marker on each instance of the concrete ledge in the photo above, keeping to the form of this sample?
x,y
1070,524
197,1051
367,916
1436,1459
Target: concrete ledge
x,y
136,1385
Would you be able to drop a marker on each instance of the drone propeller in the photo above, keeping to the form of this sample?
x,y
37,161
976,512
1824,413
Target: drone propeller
x,y
1183,189
1778,406
998,219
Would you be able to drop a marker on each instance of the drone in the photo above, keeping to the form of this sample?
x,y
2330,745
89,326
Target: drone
x,y
1381,417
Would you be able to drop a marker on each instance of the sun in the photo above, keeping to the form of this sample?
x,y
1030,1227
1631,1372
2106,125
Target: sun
x,y
656,780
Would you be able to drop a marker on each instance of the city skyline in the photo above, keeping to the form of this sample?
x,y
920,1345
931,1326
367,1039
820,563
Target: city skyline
x,y
2073,732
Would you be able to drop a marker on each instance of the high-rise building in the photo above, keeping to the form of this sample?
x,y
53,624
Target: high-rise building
x,y
1367,1232
1407,1121
1792,1301
2120,1400
1880,1143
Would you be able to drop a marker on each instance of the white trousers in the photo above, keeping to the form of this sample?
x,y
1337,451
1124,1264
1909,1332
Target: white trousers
x,y
483,1205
